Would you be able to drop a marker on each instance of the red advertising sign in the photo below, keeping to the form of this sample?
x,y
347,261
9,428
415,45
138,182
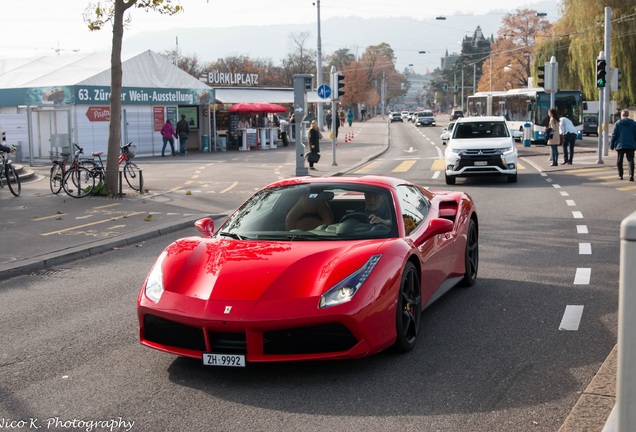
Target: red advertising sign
x,y
157,113
96,114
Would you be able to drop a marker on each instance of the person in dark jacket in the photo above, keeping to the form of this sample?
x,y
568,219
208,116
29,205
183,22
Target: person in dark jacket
x,y
314,141
624,142
183,131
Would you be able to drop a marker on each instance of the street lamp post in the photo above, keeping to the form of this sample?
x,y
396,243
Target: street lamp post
x,y
319,69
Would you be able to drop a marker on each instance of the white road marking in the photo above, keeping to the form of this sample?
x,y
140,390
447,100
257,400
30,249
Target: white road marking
x,y
582,276
571,318
577,215
581,229
585,248
564,193
570,203
436,174
556,186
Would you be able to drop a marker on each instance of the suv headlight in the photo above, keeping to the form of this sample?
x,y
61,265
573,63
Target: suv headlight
x,y
507,150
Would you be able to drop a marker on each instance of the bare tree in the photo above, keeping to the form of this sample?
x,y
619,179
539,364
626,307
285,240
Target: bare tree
x,y
97,16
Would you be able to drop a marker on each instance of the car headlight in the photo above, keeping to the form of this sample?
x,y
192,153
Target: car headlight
x,y
347,288
154,283
507,150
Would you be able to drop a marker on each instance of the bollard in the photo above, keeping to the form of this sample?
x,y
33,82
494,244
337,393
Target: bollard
x,y
527,134
626,373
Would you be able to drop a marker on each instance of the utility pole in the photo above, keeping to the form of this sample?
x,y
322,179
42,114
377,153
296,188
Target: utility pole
x,y
319,71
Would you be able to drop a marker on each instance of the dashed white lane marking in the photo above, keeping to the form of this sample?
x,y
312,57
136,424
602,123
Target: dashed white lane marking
x,y
564,193
582,276
556,186
571,318
581,229
577,215
570,203
585,248
436,174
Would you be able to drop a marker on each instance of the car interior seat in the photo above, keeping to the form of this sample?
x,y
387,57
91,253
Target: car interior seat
x,y
308,213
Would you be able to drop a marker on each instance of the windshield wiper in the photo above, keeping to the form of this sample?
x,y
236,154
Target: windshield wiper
x,y
231,235
304,237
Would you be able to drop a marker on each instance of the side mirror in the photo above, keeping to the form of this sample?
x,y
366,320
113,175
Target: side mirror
x,y
435,227
205,226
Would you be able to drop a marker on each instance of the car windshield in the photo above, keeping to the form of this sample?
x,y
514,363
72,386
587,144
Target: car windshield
x,y
483,129
309,212
425,114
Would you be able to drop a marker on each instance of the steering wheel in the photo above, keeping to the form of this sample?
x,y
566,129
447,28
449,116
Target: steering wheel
x,y
359,216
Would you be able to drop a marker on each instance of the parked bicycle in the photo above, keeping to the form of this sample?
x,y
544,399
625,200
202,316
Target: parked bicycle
x,y
59,169
132,173
9,174
77,181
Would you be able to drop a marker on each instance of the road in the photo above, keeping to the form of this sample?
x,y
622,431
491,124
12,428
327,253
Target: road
x,y
513,353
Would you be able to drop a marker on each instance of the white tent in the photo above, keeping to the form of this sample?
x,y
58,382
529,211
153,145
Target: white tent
x,y
146,69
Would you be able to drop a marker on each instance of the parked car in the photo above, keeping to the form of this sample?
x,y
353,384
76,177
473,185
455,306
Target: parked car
x,y
590,124
396,117
455,114
302,272
424,118
446,133
481,146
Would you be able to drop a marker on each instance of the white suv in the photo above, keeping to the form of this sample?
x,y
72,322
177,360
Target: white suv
x,y
481,146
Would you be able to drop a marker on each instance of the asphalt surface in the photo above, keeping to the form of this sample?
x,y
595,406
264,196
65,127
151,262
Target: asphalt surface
x,y
35,232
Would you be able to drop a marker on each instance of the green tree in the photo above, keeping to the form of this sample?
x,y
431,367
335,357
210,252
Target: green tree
x,y
114,12
577,39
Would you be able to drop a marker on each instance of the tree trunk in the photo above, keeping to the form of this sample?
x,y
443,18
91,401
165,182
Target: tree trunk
x,y
114,132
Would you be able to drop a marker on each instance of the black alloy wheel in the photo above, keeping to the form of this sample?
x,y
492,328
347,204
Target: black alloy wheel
x,y
409,310
471,255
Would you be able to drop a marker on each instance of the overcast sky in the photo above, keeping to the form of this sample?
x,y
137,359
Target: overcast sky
x,y
36,27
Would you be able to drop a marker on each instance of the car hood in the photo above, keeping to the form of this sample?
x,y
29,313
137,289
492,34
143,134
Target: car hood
x,y
222,269
477,144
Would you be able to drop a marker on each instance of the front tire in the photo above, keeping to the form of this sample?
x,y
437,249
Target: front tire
x,y
13,180
409,310
56,178
78,182
133,176
471,255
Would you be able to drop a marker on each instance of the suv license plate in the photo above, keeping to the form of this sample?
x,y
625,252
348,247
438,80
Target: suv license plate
x,y
481,163
232,360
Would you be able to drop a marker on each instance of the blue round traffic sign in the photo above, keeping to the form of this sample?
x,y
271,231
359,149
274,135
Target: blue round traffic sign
x,y
324,91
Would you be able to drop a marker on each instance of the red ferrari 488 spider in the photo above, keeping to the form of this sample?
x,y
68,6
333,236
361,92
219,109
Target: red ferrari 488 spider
x,y
310,268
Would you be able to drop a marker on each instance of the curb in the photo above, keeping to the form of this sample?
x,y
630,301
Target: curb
x,y
63,256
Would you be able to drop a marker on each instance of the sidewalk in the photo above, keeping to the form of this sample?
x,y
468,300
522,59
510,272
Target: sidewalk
x,y
41,227
36,249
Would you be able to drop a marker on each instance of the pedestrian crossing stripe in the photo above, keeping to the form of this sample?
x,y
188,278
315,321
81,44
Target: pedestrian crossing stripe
x,y
404,166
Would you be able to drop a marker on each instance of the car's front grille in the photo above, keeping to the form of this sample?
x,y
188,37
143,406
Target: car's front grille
x,y
309,340
479,152
166,332
227,343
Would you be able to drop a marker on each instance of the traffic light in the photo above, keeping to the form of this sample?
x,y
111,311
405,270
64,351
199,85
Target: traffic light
x,y
545,76
445,87
601,80
456,88
338,79
616,78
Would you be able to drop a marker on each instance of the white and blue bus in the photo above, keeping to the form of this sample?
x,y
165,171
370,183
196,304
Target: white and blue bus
x,y
521,106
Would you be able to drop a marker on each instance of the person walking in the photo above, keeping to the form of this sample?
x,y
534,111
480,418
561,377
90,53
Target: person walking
x,y
183,131
168,134
341,116
624,142
553,136
568,138
328,120
350,117
314,144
